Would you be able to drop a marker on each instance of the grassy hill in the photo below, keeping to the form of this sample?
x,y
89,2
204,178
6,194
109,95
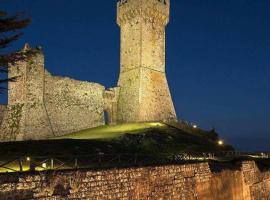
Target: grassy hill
x,y
119,145
110,146
138,138
112,131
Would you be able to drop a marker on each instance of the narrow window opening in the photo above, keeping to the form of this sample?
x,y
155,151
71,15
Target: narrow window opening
x,y
106,117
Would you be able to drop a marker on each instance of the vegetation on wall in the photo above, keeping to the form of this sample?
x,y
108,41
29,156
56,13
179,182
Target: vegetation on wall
x,y
14,119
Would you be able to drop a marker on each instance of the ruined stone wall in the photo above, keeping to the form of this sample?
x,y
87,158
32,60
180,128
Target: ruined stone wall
x,y
26,118
259,183
73,105
171,182
41,106
2,112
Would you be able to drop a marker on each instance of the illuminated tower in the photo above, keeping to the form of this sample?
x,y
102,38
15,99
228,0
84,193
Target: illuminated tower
x,y
144,94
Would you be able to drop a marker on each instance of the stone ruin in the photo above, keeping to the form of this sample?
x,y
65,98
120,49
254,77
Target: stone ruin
x,y
41,105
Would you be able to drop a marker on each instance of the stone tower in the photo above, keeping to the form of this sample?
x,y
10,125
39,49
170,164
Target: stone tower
x,y
25,110
144,94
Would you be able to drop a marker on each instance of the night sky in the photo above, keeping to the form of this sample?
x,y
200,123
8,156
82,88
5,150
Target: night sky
x,y
218,57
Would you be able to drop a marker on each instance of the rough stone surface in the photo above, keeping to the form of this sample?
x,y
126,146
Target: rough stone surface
x,y
172,182
73,105
2,112
110,104
144,93
25,117
42,106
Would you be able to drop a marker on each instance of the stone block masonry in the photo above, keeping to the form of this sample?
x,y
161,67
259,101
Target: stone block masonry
x,y
171,182
41,106
2,112
73,105
144,93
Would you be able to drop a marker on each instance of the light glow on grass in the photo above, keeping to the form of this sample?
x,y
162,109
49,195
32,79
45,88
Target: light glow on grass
x,y
112,131
156,124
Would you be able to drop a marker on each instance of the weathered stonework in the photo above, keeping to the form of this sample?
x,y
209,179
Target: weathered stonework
x,y
2,112
144,93
41,105
110,101
171,182
73,105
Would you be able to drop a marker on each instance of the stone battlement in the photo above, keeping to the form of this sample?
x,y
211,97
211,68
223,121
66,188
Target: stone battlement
x,y
123,2
153,10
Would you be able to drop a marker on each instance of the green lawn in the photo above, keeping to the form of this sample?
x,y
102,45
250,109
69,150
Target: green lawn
x,y
112,131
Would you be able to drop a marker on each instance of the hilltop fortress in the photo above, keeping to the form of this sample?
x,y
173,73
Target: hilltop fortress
x,y
41,105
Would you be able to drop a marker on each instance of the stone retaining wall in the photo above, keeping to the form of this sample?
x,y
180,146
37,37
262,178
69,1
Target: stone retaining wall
x,y
179,182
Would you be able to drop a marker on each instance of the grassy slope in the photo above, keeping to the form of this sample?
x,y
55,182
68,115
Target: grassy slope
x,y
149,142
144,138
112,131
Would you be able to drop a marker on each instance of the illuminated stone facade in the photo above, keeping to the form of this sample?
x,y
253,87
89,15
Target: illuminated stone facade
x,y
41,105
144,93
2,112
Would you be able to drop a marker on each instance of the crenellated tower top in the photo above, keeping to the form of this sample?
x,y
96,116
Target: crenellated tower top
x,y
157,11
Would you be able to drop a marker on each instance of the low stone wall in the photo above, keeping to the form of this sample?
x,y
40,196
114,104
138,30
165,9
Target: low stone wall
x,y
258,182
187,182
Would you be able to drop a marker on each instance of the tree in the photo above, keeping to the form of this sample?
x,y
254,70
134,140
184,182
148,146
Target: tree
x,y
10,26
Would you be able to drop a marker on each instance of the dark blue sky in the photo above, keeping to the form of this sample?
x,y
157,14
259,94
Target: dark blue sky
x,y
218,57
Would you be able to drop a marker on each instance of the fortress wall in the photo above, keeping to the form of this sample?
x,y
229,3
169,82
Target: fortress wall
x,y
41,106
73,105
259,182
110,104
156,101
128,104
35,122
26,118
12,119
2,112
171,182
